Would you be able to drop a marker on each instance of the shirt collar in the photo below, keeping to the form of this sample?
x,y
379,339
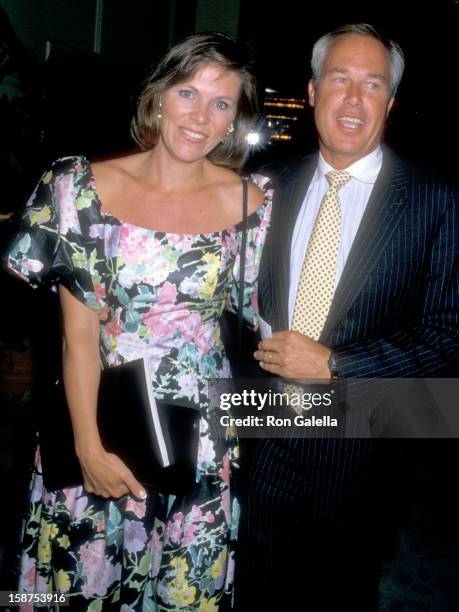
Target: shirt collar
x,y
365,170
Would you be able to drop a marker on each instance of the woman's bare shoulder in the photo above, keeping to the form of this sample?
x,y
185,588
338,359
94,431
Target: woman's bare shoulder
x,y
256,197
111,175
231,183
117,165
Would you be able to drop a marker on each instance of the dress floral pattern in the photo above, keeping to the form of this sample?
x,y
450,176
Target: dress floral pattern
x,y
158,295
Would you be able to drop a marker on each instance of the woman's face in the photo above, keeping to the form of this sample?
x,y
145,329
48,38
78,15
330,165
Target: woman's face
x,y
197,113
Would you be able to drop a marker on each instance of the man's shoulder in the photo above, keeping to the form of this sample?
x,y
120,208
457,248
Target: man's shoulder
x,y
284,171
416,174
426,190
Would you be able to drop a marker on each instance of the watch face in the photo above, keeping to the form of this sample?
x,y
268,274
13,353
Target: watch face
x,y
332,365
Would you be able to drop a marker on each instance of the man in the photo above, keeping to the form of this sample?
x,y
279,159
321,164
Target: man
x,y
318,509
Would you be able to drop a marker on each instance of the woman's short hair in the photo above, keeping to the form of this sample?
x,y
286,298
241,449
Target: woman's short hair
x,y
323,44
179,64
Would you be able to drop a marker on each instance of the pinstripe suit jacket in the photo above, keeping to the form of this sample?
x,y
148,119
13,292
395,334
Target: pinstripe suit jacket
x,y
395,311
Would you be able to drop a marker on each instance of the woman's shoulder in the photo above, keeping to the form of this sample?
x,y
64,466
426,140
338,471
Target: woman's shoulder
x,y
231,183
256,197
111,175
65,196
111,169
261,182
262,185
114,165
73,164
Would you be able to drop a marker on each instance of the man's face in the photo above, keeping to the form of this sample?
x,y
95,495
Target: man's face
x,y
352,99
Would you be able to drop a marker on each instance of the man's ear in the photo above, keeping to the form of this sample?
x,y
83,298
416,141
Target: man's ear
x,y
311,92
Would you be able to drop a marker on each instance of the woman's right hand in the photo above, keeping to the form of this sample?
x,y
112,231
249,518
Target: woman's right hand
x,y
105,474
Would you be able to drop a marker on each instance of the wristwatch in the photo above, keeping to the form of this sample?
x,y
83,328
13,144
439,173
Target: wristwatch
x,y
332,366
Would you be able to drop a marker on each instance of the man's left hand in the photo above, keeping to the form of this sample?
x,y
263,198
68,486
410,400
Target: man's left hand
x,y
289,354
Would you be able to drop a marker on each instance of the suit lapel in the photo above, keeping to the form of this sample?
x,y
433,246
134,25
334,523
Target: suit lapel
x,y
383,211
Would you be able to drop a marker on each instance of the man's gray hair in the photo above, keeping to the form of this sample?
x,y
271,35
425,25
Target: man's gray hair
x,y
322,48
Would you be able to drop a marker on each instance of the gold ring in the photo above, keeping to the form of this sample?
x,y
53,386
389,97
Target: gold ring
x,y
270,356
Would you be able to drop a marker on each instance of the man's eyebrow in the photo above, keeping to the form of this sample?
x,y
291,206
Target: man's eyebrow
x,y
370,75
376,75
335,69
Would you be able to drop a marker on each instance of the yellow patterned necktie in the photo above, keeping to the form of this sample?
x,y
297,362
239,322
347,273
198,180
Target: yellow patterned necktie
x,y
317,279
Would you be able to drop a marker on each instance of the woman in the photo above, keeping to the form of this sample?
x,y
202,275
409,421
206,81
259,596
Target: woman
x,y
145,249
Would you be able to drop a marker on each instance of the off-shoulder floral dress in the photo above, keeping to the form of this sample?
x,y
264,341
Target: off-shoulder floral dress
x,y
160,295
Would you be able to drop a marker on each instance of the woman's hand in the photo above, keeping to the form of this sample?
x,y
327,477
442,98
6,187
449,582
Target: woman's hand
x,y
106,475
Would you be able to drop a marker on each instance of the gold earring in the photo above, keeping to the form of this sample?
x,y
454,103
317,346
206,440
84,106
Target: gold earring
x,y
230,129
159,115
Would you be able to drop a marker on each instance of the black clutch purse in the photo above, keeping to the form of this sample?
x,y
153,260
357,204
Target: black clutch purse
x,y
158,440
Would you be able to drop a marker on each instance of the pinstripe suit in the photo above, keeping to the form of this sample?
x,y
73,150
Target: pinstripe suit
x,y
395,313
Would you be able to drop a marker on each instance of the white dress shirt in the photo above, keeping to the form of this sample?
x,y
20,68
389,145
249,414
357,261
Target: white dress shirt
x,y
353,196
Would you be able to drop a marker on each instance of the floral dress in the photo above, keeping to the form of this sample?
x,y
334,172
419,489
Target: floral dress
x,y
158,295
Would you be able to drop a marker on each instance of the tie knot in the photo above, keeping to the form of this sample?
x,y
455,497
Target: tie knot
x,y
338,178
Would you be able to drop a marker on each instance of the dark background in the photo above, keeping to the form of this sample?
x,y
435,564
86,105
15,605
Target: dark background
x,y
89,97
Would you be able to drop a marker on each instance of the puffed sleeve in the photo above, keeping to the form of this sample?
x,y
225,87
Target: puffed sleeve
x,y
258,224
51,246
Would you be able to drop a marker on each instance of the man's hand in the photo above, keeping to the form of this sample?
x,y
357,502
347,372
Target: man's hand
x,y
291,355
